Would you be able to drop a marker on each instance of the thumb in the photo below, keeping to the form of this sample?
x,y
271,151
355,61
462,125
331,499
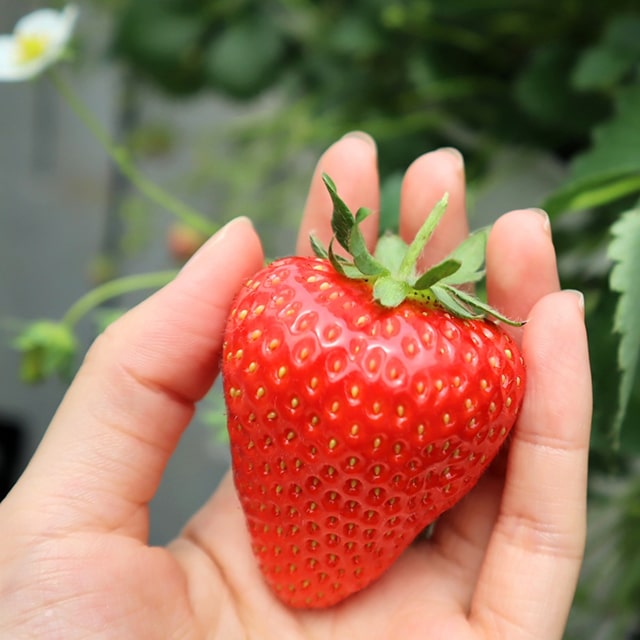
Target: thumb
x,y
103,456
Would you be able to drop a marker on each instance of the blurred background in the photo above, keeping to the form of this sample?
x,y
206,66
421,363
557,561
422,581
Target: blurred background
x,y
228,103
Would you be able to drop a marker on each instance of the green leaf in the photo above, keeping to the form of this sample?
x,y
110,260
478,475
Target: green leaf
x,y
623,34
336,262
451,303
342,266
604,65
390,251
353,36
342,221
543,91
317,247
624,279
346,228
481,308
600,68
390,292
362,214
358,248
471,254
425,232
437,273
617,143
609,170
155,39
245,57
593,192
367,264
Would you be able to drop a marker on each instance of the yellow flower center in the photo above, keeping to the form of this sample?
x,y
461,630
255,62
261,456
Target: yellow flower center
x,y
31,46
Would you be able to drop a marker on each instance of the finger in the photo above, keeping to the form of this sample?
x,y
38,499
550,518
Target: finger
x,y
219,531
459,541
103,456
521,262
519,245
427,179
351,163
531,568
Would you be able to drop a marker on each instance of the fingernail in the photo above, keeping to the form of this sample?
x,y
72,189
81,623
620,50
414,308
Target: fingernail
x,y
546,222
452,151
361,135
216,239
579,298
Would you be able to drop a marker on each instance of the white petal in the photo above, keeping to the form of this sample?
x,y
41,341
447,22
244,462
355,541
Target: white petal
x,y
68,19
56,25
41,21
10,70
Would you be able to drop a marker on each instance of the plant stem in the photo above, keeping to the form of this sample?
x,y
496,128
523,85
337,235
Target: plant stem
x,y
122,158
112,289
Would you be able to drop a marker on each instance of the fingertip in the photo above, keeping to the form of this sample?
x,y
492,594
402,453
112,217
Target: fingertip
x,y
556,351
426,180
579,299
545,221
565,307
440,169
521,262
352,163
456,156
363,136
529,219
237,232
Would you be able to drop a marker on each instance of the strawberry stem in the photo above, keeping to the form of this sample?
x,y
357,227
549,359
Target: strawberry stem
x,y
392,271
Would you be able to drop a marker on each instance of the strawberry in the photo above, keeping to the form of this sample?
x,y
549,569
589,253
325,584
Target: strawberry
x,y
183,241
363,401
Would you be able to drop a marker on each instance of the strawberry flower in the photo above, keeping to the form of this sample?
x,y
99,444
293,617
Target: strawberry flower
x,y
39,39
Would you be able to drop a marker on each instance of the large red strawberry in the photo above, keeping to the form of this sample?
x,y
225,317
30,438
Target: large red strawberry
x,y
363,401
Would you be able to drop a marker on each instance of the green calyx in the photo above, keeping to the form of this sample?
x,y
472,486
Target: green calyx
x,y
392,270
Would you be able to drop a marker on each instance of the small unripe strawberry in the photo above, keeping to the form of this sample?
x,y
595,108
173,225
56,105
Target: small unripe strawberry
x,y
183,241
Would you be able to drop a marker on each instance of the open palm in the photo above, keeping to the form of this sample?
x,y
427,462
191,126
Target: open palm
x,y
503,563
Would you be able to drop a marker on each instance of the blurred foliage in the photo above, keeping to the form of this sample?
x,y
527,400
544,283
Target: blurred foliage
x,y
48,349
415,74
606,603
558,77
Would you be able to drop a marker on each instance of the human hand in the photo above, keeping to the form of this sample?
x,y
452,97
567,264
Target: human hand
x,y
503,563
